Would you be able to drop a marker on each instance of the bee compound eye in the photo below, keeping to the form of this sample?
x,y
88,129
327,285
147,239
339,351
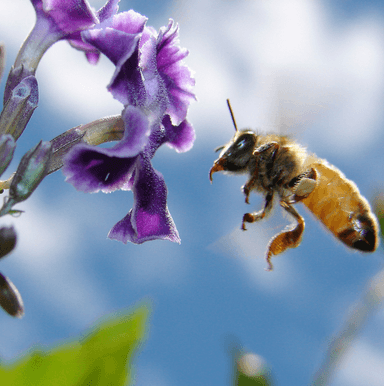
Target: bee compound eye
x,y
241,144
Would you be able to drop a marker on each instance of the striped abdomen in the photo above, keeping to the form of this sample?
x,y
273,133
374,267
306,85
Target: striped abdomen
x,y
337,202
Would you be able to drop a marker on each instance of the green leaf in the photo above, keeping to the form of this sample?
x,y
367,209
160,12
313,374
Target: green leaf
x,y
244,380
100,357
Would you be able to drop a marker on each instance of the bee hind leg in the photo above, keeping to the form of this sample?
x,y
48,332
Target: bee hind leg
x,y
303,186
256,216
288,238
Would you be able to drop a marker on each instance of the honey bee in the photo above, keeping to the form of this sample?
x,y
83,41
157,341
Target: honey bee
x,y
277,165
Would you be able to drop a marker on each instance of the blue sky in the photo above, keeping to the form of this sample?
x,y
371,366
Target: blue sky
x,y
314,70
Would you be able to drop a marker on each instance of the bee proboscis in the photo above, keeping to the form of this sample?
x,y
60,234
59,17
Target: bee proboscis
x,y
277,165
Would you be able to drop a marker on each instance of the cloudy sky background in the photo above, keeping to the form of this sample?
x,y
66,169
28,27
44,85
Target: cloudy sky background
x,y
314,70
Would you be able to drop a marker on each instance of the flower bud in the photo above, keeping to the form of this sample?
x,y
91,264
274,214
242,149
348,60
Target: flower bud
x,y
32,169
8,240
19,107
7,148
10,298
252,370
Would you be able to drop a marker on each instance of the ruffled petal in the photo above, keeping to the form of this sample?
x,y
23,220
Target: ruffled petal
x,y
117,38
181,137
76,41
175,74
149,219
155,89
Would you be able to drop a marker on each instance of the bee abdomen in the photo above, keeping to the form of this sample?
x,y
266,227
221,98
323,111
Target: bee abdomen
x,y
337,202
362,235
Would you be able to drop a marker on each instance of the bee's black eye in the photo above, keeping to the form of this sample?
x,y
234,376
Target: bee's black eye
x,y
244,143
240,152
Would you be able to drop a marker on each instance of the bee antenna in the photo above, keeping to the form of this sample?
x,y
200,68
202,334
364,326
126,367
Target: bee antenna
x,y
232,116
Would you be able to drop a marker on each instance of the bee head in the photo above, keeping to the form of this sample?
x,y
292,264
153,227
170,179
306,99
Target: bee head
x,y
236,155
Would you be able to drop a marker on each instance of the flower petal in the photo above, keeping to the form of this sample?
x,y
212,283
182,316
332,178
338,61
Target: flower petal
x,y
155,90
179,137
68,16
149,219
176,75
135,135
76,41
90,169
117,38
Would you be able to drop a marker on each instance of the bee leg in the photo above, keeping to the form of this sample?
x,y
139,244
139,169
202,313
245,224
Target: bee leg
x,y
288,238
256,216
272,147
304,186
248,186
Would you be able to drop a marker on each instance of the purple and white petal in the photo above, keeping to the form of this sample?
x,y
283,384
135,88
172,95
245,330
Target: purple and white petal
x,y
149,219
69,16
136,133
175,74
90,169
76,41
181,137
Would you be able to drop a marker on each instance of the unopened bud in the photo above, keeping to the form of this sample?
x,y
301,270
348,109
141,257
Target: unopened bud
x,y
10,298
32,169
7,148
19,107
8,240
252,370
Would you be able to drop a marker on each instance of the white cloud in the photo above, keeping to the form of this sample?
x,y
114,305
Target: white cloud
x,y
17,20
47,255
283,66
362,365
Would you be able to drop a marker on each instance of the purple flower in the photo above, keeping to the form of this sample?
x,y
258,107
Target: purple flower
x,y
57,20
149,219
176,76
91,169
149,68
118,38
127,166
65,16
76,41
155,87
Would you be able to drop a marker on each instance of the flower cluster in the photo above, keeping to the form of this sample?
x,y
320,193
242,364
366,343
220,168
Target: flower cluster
x,y
155,88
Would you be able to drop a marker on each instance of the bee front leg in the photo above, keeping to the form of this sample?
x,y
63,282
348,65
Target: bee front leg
x,y
248,186
256,216
288,238
271,147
